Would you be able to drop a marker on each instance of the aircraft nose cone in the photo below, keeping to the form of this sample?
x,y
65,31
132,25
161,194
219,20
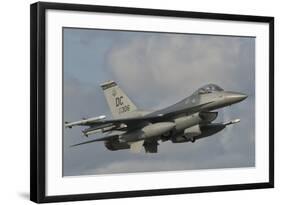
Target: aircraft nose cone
x,y
236,97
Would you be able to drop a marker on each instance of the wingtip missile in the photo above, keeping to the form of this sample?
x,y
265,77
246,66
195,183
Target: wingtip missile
x,y
235,121
85,121
232,122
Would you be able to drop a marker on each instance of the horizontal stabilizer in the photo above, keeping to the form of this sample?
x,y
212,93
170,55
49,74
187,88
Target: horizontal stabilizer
x,y
111,137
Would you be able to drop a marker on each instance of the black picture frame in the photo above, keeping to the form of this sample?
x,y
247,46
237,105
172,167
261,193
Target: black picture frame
x,y
38,101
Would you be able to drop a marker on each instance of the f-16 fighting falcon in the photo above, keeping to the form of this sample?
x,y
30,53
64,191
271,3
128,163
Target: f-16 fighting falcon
x,y
186,121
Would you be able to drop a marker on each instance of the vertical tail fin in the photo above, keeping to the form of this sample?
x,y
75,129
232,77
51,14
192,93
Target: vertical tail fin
x,y
117,100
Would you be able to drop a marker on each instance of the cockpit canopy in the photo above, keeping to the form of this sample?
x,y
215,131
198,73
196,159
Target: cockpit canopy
x,y
208,89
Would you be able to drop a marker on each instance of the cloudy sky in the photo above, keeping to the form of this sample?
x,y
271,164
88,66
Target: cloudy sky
x,y
156,70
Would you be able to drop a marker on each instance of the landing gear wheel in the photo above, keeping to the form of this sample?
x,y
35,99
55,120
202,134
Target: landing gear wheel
x,y
193,140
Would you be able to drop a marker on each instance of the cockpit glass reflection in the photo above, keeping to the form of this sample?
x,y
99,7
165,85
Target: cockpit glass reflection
x,y
208,89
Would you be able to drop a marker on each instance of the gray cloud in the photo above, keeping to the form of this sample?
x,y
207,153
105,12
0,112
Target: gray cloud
x,y
179,64
156,70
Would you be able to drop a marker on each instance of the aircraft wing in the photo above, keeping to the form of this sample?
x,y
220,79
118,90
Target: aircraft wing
x,y
97,121
98,124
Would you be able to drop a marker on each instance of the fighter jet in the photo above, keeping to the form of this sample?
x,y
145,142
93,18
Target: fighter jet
x,y
131,128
